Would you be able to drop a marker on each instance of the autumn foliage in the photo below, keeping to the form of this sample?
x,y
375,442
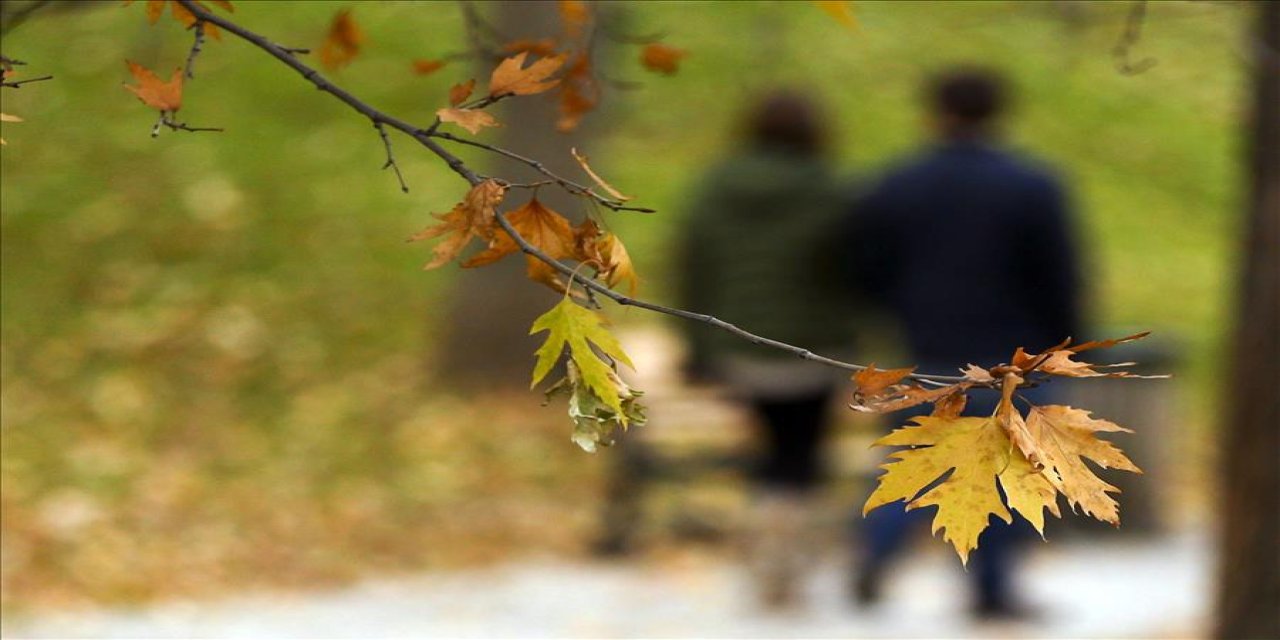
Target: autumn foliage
x,y
957,463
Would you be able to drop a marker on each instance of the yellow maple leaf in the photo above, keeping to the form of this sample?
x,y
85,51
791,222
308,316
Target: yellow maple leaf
x,y
541,227
980,454
473,120
471,218
511,77
571,325
1064,437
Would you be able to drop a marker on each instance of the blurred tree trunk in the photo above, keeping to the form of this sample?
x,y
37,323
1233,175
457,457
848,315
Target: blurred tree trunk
x,y
485,341
1249,591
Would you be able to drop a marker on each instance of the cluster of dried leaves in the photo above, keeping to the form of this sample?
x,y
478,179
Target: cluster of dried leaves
x,y
956,463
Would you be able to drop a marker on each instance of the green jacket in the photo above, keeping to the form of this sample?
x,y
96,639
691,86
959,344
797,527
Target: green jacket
x,y
757,254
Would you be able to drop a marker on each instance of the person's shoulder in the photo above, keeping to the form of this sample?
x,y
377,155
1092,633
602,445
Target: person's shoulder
x,y
1032,170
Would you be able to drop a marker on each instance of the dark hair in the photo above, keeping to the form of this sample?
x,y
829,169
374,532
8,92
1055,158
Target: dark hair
x,y
787,121
971,96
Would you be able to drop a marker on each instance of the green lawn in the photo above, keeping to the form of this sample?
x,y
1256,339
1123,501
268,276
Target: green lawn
x,y
203,330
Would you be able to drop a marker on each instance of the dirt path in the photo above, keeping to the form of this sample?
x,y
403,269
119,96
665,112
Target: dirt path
x,y
1151,589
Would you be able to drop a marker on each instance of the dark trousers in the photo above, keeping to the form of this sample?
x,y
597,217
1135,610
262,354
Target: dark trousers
x,y
992,565
793,430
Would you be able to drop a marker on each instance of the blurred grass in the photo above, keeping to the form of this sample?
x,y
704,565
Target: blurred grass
x,y
213,345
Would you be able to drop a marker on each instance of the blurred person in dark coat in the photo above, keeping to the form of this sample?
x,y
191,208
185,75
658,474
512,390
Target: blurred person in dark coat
x,y
970,248
754,256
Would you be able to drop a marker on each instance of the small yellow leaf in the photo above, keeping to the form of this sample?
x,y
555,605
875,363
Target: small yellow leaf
x,y
571,325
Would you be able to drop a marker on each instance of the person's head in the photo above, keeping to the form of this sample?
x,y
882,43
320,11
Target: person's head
x,y
966,102
786,121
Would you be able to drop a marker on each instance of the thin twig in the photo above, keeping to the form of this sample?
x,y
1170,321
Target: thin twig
x,y
391,158
537,165
458,166
17,84
189,69
1129,38
166,120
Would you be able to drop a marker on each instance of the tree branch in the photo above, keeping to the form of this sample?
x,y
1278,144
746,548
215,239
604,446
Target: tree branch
x,y
425,138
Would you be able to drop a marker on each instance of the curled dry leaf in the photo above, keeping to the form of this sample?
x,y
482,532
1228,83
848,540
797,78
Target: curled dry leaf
x,y
427,67
606,253
473,120
154,92
661,58
471,218
1059,360
342,43
582,162
459,93
511,77
595,424
541,227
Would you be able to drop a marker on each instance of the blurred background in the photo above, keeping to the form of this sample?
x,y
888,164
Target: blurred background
x,y
226,376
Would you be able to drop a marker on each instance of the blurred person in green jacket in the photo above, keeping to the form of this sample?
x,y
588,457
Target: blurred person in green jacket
x,y
756,254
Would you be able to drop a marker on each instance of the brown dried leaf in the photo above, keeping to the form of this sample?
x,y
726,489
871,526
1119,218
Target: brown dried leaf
x,y
342,44
579,93
582,162
424,67
872,381
511,77
471,218
541,227
154,92
459,93
473,120
661,58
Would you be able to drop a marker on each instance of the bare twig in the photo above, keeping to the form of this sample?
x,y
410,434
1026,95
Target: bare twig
x,y
196,45
166,120
1129,38
458,166
17,84
391,158
537,165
